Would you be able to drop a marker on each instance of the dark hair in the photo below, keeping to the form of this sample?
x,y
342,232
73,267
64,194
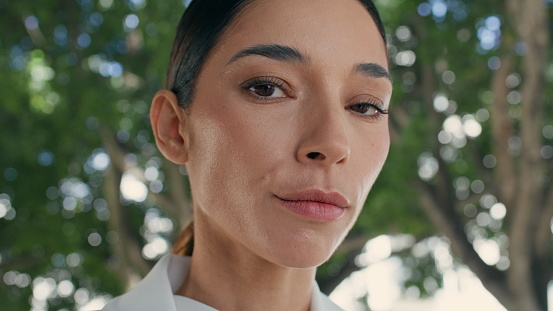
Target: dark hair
x,y
199,30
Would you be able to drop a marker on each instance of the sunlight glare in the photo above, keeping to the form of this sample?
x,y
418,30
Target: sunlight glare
x,y
488,250
132,189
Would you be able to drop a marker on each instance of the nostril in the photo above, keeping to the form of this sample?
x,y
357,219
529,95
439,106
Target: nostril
x,y
313,155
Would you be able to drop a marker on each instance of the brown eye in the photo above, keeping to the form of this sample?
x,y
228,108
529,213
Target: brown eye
x,y
368,110
365,109
264,90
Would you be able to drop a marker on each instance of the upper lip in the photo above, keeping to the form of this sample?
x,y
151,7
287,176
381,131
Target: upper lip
x,y
316,195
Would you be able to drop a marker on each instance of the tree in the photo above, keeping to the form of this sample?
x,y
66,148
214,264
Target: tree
x,y
87,203
77,82
472,110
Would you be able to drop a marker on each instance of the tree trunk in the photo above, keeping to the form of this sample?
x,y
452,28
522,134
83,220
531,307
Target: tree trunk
x,y
502,131
132,266
531,25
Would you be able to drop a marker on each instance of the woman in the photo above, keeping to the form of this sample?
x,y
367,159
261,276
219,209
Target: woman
x,y
278,109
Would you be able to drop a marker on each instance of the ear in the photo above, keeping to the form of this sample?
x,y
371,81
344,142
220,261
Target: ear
x,y
169,123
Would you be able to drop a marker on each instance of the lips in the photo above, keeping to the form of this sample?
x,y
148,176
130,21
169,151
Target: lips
x,y
315,204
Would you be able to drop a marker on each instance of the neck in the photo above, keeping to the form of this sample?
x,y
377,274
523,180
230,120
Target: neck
x,y
227,276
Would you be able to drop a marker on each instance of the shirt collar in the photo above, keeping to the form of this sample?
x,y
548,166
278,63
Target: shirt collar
x,y
155,291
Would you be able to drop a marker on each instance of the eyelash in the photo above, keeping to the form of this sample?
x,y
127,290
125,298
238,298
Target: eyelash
x,y
264,81
381,110
282,86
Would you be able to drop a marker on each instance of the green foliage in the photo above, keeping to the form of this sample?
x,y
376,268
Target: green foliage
x,y
68,69
71,68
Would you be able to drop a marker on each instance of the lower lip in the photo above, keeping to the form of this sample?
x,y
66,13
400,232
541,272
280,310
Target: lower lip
x,y
314,210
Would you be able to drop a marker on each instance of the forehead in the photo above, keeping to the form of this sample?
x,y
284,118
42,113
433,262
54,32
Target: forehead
x,y
334,29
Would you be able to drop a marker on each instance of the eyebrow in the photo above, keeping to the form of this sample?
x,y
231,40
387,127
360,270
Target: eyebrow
x,y
372,70
272,51
290,54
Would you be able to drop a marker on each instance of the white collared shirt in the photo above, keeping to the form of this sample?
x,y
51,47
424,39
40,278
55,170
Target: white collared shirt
x,y
156,291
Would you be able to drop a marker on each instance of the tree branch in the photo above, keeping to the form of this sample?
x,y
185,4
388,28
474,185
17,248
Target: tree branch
x,y
477,156
448,222
179,193
117,154
399,120
544,235
502,131
352,244
166,202
127,248
472,199
438,205
22,263
348,267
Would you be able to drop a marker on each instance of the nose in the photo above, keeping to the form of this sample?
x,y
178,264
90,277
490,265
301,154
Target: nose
x,y
325,139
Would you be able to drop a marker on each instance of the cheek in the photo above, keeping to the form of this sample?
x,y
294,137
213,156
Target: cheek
x,y
234,151
217,173
370,159
234,147
243,135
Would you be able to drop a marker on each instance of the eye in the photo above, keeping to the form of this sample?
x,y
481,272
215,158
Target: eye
x,y
266,88
368,110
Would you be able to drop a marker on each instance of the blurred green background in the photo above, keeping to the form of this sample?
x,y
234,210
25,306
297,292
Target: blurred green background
x,y
87,204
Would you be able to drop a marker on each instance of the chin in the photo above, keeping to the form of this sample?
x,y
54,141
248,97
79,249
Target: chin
x,y
301,254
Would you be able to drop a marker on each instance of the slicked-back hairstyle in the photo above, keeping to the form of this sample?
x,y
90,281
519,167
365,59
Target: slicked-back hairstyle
x,y
199,30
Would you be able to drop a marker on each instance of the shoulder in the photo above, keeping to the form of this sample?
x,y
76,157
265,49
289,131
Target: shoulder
x,y
321,302
155,291
325,304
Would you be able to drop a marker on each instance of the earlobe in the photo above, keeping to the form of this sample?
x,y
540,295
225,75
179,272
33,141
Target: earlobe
x,y
169,123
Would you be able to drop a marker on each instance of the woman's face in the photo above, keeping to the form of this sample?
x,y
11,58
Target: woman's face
x,y
286,134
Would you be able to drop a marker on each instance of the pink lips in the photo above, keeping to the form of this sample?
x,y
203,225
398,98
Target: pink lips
x,y
316,204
